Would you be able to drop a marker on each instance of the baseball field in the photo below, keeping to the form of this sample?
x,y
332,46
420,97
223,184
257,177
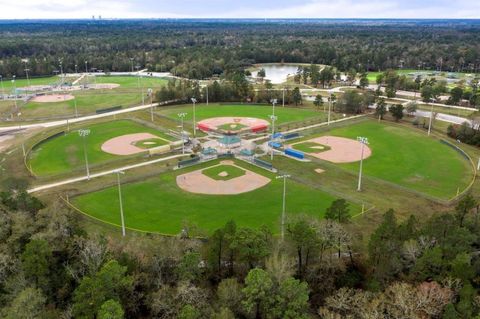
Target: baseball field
x,y
159,205
65,152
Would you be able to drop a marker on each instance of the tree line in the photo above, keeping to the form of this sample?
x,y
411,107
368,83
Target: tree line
x,y
197,49
51,268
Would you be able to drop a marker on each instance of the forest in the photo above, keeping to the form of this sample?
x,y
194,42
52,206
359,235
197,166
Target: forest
x,y
51,268
201,49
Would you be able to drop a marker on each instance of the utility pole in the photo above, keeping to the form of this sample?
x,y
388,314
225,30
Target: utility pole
x,y
194,100
430,121
207,93
182,116
15,94
283,203
283,97
150,93
120,201
273,118
84,134
363,141
273,101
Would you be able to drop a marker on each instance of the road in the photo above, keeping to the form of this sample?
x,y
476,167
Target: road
x,y
81,119
84,178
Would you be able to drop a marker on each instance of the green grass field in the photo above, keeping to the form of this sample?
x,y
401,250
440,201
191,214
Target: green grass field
x,y
19,83
232,171
284,114
310,147
409,158
87,101
159,205
65,153
132,81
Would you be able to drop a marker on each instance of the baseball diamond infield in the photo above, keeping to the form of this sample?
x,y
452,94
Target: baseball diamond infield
x,y
52,98
199,183
125,144
233,124
342,150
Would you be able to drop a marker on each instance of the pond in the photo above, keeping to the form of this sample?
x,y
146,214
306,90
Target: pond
x,y
277,73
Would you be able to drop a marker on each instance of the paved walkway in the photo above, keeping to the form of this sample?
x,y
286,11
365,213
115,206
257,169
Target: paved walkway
x,y
84,178
80,119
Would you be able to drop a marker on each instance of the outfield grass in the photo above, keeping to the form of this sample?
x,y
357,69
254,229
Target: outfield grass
x,y
232,171
132,81
19,83
284,114
87,102
159,205
408,158
65,153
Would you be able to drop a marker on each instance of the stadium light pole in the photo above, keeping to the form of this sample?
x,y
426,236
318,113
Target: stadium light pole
x,y
273,101
363,141
329,105
430,121
86,72
150,94
283,203
120,200
3,90
15,94
182,116
194,101
207,93
143,94
75,104
273,118
83,134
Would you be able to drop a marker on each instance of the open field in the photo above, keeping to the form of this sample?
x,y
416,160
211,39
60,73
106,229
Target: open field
x,y
19,83
159,205
409,158
87,101
284,114
132,81
65,152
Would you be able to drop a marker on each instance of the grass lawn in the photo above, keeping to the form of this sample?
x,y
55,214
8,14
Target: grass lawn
x,y
132,81
64,153
216,172
310,147
408,158
159,205
87,102
19,83
284,114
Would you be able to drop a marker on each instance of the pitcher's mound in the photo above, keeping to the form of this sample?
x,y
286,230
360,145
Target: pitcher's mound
x,y
53,98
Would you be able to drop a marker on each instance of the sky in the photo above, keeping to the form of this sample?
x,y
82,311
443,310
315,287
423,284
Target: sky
x,y
84,9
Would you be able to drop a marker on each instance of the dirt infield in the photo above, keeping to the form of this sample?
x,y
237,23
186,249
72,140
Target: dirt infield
x,y
197,182
51,98
216,123
124,145
342,150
